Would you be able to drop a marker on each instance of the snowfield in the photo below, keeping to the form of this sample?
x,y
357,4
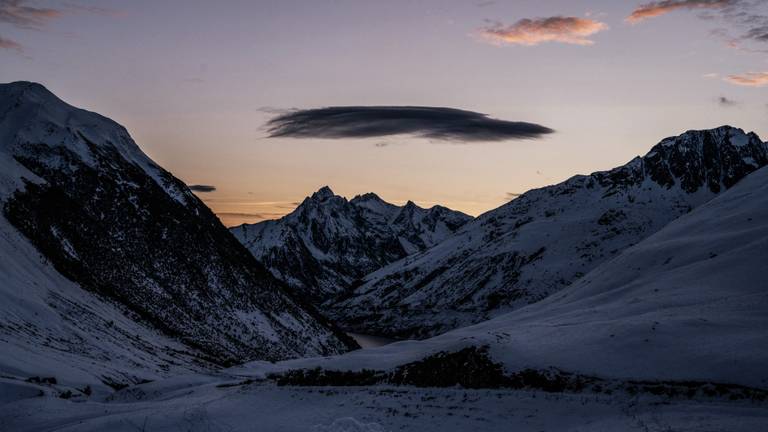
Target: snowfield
x,y
215,404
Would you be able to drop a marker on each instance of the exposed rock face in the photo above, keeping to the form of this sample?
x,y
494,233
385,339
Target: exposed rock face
x,y
112,221
548,238
324,246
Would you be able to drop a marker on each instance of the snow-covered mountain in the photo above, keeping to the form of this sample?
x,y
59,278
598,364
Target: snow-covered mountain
x,y
112,268
327,243
548,238
687,305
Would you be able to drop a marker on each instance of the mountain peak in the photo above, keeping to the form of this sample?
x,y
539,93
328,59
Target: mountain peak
x,y
721,131
369,196
26,91
25,85
323,193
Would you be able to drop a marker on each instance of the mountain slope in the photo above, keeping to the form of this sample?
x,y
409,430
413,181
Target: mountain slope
x,y
688,303
115,224
548,238
51,327
328,243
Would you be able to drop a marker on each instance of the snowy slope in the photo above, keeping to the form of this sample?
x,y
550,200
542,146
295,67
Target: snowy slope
x,y
690,302
51,327
327,243
548,238
94,232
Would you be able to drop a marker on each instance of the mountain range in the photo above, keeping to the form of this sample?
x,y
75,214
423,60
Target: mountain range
x,y
414,273
328,243
681,310
548,238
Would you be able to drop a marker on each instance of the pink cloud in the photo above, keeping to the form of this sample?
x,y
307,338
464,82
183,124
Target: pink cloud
x,y
658,8
750,79
528,32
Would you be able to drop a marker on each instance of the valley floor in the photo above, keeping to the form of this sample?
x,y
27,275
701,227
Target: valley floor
x,y
207,403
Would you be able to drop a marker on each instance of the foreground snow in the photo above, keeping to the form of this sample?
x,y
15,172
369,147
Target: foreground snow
x,y
196,405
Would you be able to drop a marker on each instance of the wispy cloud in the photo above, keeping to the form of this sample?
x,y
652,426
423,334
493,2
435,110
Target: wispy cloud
x,y
202,188
437,123
248,215
750,79
10,45
25,15
21,14
529,32
658,8
743,21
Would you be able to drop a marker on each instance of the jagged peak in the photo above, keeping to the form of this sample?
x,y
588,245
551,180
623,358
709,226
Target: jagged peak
x,y
719,132
437,208
323,193
410,207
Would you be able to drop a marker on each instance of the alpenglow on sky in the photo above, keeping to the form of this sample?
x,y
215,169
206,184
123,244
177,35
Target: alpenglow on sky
x,y
256,104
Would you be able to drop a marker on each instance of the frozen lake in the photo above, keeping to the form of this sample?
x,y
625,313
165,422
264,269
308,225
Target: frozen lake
x,y
370,341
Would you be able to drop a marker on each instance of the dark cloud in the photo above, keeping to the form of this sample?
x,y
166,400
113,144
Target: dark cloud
x,y
725,102
446,124
202,188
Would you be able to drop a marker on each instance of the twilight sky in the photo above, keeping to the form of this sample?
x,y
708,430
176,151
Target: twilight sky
x,y
207,88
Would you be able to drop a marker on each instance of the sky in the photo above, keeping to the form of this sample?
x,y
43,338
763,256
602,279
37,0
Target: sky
x,y
263,102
